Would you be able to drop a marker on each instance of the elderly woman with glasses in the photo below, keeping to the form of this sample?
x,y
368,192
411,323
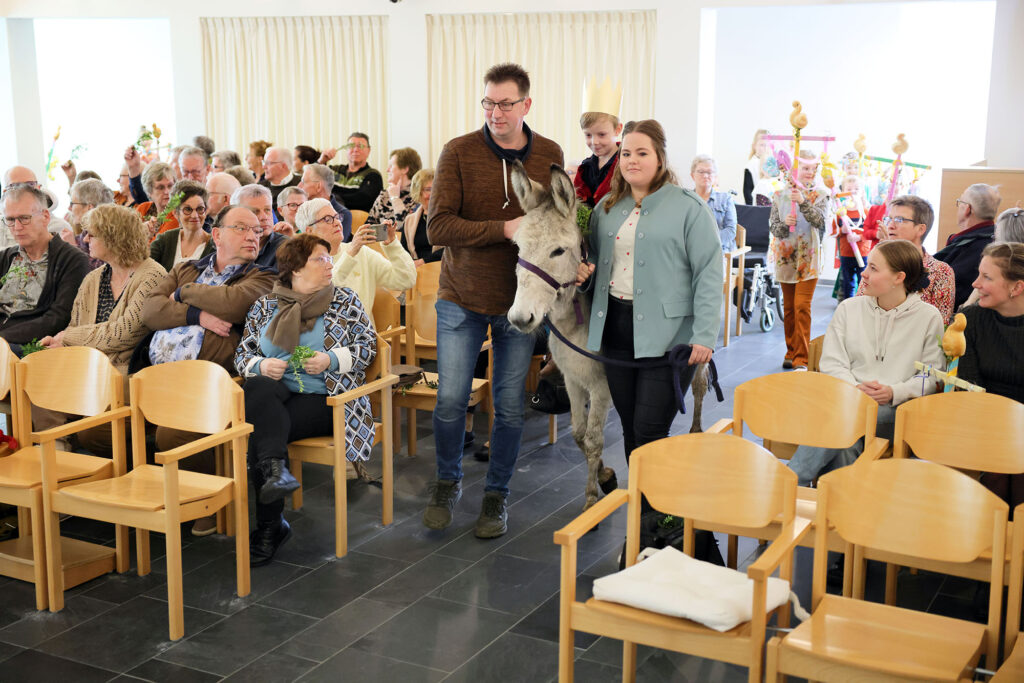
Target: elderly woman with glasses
x,y
190,241
704,172
360,269
285,390
157,180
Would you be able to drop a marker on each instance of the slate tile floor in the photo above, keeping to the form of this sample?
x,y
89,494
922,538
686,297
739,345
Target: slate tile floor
x,y
407,603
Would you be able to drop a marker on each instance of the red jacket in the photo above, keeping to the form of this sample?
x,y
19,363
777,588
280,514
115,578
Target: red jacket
x,y
583,191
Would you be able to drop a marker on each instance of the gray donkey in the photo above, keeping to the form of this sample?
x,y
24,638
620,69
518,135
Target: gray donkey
x,y
549,239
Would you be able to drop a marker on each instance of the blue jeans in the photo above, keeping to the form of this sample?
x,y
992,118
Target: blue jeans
x,y
849,275
460,333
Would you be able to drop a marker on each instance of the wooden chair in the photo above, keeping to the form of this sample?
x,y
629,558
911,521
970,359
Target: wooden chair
x,y
814,349
808,408
704,478
7,361
733,281
420,342
330,450
81,381
974,432
193,396
359,219
922,511
387,316
1012,670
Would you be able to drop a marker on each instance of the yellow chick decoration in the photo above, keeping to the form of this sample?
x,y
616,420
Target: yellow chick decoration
x,y
860,145
901,145
954,344
798,119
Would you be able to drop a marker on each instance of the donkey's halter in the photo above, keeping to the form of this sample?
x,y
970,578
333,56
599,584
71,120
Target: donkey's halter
x,y
555,285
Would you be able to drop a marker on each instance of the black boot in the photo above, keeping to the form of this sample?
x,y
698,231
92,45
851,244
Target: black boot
x,y
278,481
266,539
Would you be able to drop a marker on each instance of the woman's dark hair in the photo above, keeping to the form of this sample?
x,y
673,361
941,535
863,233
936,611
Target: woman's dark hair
x,y
619,187
903,256
307,154
293,254
189,189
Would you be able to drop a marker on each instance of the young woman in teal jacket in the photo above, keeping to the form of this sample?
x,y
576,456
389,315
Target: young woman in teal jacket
x,y
658,281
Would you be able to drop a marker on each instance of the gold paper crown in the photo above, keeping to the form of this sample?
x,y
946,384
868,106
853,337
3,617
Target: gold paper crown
x,y
605,98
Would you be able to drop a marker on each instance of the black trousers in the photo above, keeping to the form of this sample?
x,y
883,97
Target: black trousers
x,y
643,397
279,417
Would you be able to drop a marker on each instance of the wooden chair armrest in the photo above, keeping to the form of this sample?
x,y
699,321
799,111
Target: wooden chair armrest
x,y
370,387
575,529
392,333
874,450
202,444
723,426
738,251
783,544
80,425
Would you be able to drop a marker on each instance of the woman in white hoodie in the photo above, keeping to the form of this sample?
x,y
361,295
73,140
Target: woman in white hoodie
x,y
873,341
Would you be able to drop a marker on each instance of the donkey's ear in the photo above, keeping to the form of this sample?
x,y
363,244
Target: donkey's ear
x,y
527,192
563,192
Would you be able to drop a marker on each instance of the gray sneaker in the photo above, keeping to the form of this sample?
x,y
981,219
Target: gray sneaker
x,y
444,494
493,519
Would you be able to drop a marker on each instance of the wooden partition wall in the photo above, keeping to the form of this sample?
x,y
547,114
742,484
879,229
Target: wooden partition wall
x,y
956,180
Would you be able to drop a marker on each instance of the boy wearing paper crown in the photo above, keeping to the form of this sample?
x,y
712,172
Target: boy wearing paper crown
x,y
601,128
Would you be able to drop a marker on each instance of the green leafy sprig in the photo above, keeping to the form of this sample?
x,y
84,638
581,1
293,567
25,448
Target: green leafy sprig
x,y
583,218
298,357
144,135
171,206
31,347
18,270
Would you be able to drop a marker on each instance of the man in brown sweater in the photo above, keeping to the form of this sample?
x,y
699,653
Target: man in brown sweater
x,y
473,213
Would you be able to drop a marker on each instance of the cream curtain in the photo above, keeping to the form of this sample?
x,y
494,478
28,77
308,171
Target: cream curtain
x,y
296,80
559,50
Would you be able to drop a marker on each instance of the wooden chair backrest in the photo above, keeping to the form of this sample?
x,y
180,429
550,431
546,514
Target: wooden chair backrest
x,y
814,349
381,364
190,395
424,296
966,429
915,508
806,408
741,236
7,363
358,219
387,312
79,380
713,478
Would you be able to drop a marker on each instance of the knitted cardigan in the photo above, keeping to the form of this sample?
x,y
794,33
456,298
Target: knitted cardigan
x,y
124,329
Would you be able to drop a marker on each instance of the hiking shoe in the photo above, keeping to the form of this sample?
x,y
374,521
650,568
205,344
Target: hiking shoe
x,y
787,364
278,482
493,519
444,494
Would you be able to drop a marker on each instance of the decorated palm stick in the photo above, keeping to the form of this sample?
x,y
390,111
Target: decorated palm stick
x,y
847,227
860,145
797,119
898,148
50,160
954,343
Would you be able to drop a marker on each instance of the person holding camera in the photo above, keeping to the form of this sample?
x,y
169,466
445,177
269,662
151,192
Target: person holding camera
x,y
360,269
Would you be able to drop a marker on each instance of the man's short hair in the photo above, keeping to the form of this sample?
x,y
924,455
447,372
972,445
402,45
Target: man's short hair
x,y
205,144
240,173
92,191
190,151
251,192
286,154
923,211
85,175
591,118
363,136
177,149
16,191
286,193
227,157
324,174
157,170
984,200
509,71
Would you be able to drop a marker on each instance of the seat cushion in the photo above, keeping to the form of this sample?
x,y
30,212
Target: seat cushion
x,y
143,488
23,469
879,637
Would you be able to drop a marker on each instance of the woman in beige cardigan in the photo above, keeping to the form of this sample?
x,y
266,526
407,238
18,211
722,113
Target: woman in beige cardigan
x,y
107,313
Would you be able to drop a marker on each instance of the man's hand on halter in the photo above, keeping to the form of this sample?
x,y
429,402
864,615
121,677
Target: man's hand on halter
x,y
583,272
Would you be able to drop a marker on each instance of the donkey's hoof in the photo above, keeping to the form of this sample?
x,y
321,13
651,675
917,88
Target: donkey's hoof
x,y
609,482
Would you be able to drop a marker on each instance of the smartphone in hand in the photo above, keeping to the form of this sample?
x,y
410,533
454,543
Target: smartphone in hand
x,y
380,232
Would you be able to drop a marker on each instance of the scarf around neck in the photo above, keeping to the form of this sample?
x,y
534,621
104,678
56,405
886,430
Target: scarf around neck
x,y
296,313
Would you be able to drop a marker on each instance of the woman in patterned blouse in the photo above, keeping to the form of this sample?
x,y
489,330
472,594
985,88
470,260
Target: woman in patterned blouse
x,y
285,389
394,202
107,313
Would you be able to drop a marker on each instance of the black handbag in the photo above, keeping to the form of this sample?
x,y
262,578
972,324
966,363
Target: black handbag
x,y
551,396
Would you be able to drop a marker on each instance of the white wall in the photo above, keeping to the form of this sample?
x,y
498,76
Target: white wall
x,y
678,55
